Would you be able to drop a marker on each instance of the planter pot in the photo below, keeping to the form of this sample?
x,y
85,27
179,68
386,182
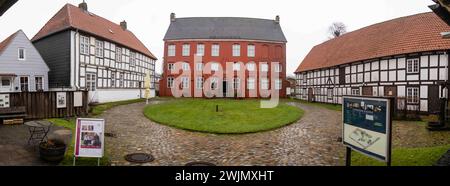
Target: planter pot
x,y
52,154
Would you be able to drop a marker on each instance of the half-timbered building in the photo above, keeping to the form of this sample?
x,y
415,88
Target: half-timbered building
x,y
405,58
87,52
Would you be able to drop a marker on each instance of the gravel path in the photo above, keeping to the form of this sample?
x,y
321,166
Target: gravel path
x,y
311,141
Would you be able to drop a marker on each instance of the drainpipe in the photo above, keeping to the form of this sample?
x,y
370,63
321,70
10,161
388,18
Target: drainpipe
x,y
77,87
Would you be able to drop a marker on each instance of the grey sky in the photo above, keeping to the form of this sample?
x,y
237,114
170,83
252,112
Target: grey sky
x,y
305,23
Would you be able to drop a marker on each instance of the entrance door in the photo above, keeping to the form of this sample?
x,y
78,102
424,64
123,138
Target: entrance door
x,y
433,99
310,95
91,85
367,91
225,88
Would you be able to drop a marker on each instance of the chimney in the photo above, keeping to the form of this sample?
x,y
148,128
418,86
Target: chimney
x,y
277,19
172,17
83,6
123,24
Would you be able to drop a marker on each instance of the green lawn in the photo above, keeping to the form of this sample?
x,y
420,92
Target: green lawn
x,y
323,105
99,109
234,116
405,157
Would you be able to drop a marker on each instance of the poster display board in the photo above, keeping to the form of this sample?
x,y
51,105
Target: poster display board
x,y
61,100
89,138
367,126
78,99
4,100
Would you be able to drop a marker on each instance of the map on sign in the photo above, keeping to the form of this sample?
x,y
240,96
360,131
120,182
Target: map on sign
x,y
366,125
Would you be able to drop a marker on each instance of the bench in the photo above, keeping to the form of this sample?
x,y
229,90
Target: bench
x,y
14,114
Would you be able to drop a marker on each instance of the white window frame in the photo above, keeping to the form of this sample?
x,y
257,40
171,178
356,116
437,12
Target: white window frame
x,y
85,45
170,81
214,83
412,66
6,79
199,67
39,86
172,49
236,67
121,79
22,84
251,67
215,67
186,50
132,59
236,50
236,83
113,79
19,57
264,67
99,48
330,93
170,66
251,84
264,84
185,82
199,83
278,84
185,66
355,92
91,81
413,95
200,50
278,68
251,50
118,55
215,50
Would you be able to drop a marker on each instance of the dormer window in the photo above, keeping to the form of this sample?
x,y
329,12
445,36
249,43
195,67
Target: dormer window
x,y
22,54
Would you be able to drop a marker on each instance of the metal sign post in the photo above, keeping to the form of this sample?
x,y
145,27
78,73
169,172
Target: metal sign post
x,y
367,127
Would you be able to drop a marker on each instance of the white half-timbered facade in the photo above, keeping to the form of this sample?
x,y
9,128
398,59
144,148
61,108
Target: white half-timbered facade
x,y
417,79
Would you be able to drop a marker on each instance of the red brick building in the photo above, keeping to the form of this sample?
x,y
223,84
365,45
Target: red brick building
x,y
251,46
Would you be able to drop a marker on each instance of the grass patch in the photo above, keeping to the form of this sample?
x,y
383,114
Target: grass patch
x,y
99,109
427,156
334,107
234,116
68,159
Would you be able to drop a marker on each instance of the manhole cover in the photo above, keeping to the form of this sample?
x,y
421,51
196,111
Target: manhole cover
x,y
203,164
139,158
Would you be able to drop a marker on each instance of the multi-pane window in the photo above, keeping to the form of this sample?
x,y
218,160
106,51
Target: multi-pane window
x,y
412,95
185,66
200,50
5,82
251,67
236,83
199,83
356,92
132,59
265,67
278,84
171,50
236,50
39,83
91,81
185,82
265,84
24,86
99,48
215,50
113,79
84,45
330,93
278,68
215,67
199,66
121,79
251,83
236,67
170,82
186,49
412,65
21,54
170,66
118,54
251,51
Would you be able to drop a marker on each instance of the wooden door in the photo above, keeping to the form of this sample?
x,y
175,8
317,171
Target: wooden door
x,y
310,95
433,99
367,91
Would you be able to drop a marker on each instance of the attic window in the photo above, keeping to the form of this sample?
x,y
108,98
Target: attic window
x,y
21,54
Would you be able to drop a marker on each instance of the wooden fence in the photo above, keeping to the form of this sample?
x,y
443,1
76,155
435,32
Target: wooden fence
x,y
42,105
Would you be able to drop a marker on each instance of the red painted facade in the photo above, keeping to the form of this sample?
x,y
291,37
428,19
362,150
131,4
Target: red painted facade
x,y
265,52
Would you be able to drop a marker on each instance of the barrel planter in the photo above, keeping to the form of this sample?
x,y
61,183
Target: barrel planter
x,y
52,151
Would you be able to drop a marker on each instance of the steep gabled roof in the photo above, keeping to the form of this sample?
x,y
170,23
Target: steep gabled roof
x,y
225,28
72,17
411,34
7,41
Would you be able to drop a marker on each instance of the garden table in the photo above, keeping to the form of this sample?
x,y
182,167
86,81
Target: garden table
x,y
38,130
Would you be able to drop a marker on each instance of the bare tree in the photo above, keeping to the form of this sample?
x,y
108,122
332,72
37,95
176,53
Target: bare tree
x,y
337,29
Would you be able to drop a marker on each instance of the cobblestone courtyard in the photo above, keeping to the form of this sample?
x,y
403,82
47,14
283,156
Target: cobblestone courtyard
x,y
311,141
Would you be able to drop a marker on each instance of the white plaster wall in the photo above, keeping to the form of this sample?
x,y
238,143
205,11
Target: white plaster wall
x,y
111,95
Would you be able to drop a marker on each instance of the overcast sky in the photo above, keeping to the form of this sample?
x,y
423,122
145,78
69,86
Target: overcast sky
x,y
305,23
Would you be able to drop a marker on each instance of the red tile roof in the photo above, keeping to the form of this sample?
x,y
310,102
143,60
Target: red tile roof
x,y
411,34
72,17
6,42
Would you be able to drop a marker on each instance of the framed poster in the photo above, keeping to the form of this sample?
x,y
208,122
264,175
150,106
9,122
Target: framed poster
x,y
78,99
89,138
367,126
61,101
4,100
